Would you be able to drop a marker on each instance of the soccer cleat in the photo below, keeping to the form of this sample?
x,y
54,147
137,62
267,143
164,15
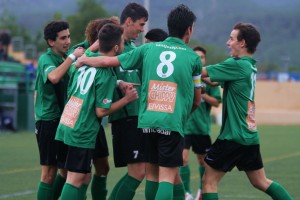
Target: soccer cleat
x,y
188,196
199,195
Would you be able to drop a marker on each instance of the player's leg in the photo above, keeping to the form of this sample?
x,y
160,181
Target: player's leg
x,y
101,167
130,150
151,181
201,145
152,167
78,163
259,180
170,147
99,179
45,135
184,170
220,158
61,177
178,189
253,166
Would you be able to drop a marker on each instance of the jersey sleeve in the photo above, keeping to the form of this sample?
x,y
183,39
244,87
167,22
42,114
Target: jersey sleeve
x,y
228,70
47,67
105,85
132,59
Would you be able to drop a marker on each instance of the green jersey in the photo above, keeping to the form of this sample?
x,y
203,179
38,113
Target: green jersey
x,y
167,88
132,76
239,77
49,98
85,44
91,88
199,121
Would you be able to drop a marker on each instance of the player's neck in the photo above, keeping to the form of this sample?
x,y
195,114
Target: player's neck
x,y
110,53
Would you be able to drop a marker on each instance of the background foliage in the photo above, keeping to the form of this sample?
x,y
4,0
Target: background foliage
x,y
278,22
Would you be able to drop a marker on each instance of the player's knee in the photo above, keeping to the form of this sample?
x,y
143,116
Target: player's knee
x,y
48,178
261,184
137,174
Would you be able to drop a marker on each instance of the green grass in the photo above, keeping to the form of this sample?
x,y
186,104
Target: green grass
x,y
19,166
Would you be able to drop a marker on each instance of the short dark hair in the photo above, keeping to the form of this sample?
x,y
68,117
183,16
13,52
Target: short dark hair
x,y
109,36
54,27
5,38
156,35
134,11
250,34
179,19
199,48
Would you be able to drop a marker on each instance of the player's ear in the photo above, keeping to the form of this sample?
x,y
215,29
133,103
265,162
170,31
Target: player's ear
x,y
116,48
128,21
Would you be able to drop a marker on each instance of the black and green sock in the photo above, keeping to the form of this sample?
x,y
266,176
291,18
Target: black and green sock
x,y
45,191
178,192
113,193
185,174
58,186
210,196
151,189
277,192
83,190
98,187
127,188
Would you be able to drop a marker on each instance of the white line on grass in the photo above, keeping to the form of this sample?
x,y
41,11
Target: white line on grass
x,y
5,196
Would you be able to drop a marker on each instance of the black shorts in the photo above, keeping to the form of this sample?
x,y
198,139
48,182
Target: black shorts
x,y
79,160
101,148
62,151
164,147
199,143
45,136
224,155
128,142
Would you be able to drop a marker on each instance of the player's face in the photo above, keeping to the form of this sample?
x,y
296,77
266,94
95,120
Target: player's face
x,y
202,57
234,44
62,43
133,29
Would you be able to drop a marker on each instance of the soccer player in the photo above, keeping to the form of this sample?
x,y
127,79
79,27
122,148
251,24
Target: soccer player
x,y
167,98
128,140
155,35
197,131
100,157
50,96
90,98
238,142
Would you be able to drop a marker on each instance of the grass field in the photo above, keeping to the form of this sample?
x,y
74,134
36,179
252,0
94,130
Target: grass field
x,y
19,166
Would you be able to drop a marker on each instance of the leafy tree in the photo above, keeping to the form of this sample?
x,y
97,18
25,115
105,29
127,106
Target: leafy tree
x,y
87,11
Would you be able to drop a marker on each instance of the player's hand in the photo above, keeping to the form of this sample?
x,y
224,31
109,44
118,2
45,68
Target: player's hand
x,y
124,85
80,61
79,51
131,94
203,89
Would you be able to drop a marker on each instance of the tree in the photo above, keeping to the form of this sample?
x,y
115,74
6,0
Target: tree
x,y
87,11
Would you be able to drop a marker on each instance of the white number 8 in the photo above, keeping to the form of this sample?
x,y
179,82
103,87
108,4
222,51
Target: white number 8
x,y
167,63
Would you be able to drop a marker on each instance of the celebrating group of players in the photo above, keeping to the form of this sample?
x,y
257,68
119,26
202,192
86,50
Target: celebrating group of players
x,y
157,106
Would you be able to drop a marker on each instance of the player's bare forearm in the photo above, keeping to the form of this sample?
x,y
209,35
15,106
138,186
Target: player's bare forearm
x,y
197,98
99,61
